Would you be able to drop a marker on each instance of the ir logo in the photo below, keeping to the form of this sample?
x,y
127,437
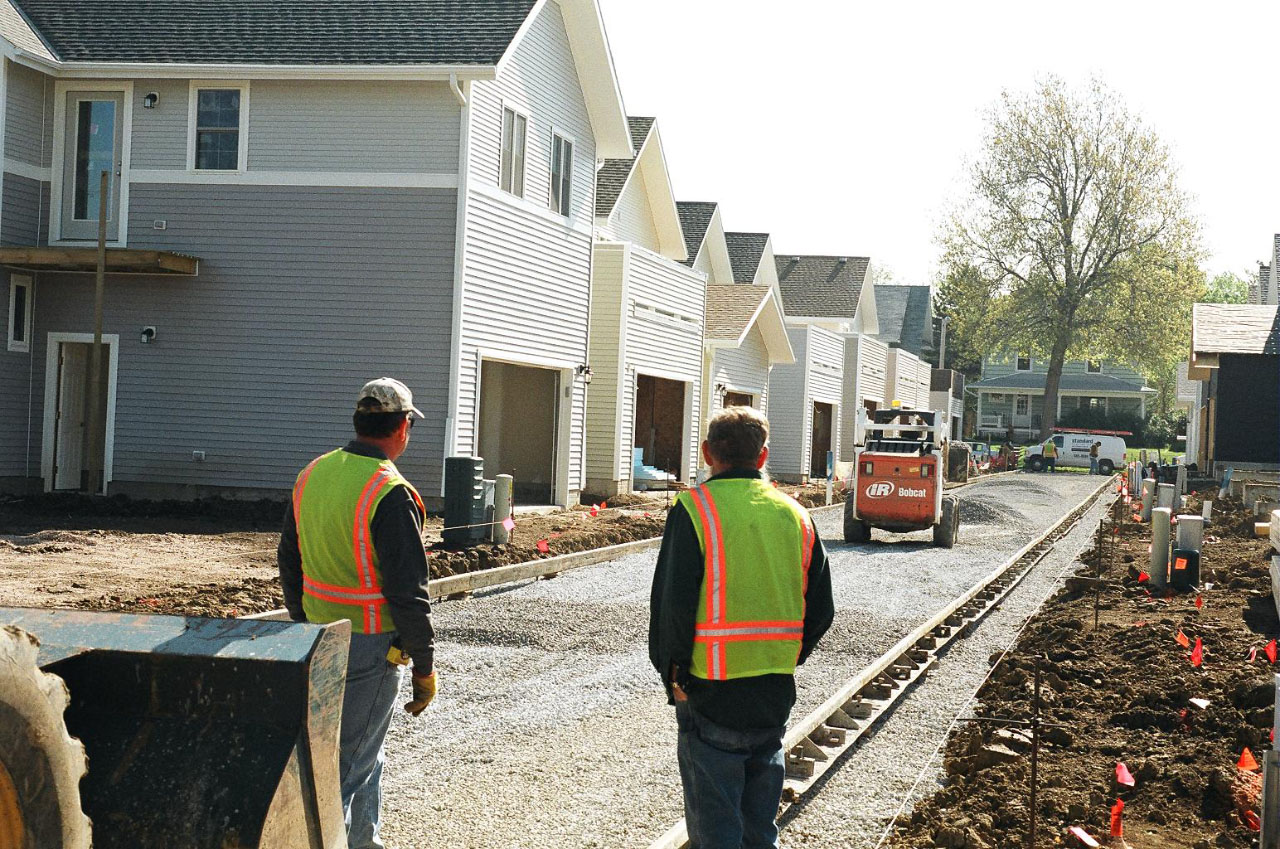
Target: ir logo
x,y
880,489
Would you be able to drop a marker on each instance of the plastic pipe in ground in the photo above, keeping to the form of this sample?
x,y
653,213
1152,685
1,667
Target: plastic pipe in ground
x,y
1148,497
1182,479
1159,570
1206,510
1190,532
1166,496
501,508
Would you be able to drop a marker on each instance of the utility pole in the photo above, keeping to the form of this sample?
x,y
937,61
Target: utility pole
x,y
96,437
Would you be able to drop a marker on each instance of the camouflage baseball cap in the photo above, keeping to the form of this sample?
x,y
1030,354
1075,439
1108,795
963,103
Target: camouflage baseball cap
x,y
386,395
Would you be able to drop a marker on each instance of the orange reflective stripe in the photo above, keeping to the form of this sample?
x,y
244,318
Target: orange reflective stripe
x,y
361,545
362,600
298,486
345,592
807,534
714,578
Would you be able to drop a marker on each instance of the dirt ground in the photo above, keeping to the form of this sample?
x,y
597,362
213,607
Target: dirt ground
x,y
1122,694
217,557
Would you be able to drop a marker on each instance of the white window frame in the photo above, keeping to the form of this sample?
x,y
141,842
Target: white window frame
x,y
1093,366
24,281
242,153
524,154
1017,362
61,88
1019,401
566,203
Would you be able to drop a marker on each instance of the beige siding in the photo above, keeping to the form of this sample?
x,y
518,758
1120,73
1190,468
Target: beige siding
x,y
816,376
632,217
604,397
742,369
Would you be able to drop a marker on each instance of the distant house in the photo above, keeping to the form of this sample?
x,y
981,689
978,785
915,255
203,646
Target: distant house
x,y
299,205
647,310
828,309
906,318
1011,393
745,331
1235,356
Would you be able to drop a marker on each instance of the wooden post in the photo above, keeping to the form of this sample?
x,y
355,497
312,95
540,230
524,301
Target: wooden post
x,y
96,438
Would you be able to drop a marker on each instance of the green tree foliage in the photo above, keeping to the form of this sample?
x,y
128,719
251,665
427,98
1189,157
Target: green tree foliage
x,y
1075,239
1226,288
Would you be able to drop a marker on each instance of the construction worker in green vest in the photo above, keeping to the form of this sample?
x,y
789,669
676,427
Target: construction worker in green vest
x,y
351,548
1050,455
741,595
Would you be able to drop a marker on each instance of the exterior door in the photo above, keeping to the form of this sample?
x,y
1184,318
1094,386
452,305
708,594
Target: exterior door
x,y
94,143
68,457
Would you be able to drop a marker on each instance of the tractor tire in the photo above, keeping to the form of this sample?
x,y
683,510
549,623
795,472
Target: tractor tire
x,y
1106,467
855,530
40,763
1036,463
944,533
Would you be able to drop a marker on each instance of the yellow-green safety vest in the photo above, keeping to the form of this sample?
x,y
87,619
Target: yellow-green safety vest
x,y
757,544
334,501
1051,449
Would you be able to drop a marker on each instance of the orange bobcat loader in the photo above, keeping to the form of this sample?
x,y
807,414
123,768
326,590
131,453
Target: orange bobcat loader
x,y
897,478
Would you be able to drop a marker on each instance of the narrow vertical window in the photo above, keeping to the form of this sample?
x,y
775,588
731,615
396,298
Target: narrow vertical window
x,y
217,129
514,132
561,174
19,314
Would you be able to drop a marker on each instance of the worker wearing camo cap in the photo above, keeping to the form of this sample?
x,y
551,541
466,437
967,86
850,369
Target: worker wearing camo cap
x,y
352,549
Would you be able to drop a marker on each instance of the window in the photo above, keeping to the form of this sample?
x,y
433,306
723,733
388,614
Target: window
x,y
1024,362
514,134
19,313
561,174
218,128
95,153
1093,367
1022,405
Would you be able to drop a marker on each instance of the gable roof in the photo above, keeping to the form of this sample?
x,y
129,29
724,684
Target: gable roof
x,y
613,174
821,286
695,218
282,32
732,310
906,316
745,252
1235,329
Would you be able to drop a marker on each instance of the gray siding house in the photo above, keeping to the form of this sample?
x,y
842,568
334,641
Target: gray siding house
x,y
300,201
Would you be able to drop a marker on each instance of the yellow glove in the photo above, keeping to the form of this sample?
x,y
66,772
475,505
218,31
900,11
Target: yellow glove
x,y
424,690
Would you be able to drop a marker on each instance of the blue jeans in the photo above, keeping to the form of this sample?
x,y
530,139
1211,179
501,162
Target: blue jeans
x,y
1051,464
367,706
1093,465
732,782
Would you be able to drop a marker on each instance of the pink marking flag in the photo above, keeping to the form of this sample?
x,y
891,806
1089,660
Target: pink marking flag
x,y
1251,820
1253,654
595,511
1143,577
509,523
544,546
1123,776
1083,836
1197,653
1271,651
1199,602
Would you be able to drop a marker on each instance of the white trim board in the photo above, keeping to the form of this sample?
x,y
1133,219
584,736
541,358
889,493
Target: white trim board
x,y
39,173
242,140
53,345
342,179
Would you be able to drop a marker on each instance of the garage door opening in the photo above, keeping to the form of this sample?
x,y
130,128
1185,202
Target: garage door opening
x,y
519,409
660,423
821,442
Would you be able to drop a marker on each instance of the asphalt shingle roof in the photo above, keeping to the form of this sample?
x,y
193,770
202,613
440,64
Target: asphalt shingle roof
x,y
745,253
1235,329
695,219
730,308
905,316
1069,382
821,285
612,176
303,32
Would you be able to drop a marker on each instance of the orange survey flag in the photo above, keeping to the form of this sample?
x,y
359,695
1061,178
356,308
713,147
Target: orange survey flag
x,y
1183,640
1247,761
1197,653
1117,828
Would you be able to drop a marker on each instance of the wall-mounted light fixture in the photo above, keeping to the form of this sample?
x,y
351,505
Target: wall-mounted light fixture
x,y
721,388
150,100
584,371
148,335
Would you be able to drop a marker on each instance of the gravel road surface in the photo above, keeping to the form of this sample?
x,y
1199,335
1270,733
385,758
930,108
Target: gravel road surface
x,y
551,730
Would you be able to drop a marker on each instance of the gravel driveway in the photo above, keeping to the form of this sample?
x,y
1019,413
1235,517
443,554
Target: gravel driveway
x,y
551,729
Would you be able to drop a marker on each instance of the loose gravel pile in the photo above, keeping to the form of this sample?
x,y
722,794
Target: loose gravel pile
x,y
551,728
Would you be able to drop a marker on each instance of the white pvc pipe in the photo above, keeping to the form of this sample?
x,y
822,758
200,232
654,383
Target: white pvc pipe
x,y
1148,497
502,485
1159,568
1190,532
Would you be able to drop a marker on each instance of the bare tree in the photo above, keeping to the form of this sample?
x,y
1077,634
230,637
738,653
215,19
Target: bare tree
x,y
1078,233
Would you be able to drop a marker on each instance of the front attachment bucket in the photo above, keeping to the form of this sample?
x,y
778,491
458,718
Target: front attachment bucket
x,y
201,733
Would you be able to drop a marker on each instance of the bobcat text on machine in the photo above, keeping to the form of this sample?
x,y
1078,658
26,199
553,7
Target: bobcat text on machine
x,y
897,478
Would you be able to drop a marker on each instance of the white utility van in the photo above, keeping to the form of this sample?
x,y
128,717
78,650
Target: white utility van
x,y
1073,450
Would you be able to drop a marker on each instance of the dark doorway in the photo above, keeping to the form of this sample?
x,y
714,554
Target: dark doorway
x,y
823,416
660,423
519,411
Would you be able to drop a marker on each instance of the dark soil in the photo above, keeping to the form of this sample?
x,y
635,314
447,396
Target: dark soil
x,y
1121,693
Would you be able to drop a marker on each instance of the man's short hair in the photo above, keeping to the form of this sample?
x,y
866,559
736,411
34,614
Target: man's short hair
x,y
737,435
377,425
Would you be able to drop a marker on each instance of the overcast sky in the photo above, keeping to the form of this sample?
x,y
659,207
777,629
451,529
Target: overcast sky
x,y
843,127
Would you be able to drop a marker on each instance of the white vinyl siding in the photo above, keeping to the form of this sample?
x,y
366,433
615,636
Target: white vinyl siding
x,y
526,285
632,217
817,376
605,420
742,369
515,138
865,366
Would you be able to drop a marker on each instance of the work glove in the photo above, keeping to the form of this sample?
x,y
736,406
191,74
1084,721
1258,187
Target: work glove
x,y
424,690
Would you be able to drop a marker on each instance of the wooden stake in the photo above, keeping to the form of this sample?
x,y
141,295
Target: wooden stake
x,y
97,438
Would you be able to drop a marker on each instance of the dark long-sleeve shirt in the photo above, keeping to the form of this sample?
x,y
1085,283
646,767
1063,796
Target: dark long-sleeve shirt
x,y
397,537
763,701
